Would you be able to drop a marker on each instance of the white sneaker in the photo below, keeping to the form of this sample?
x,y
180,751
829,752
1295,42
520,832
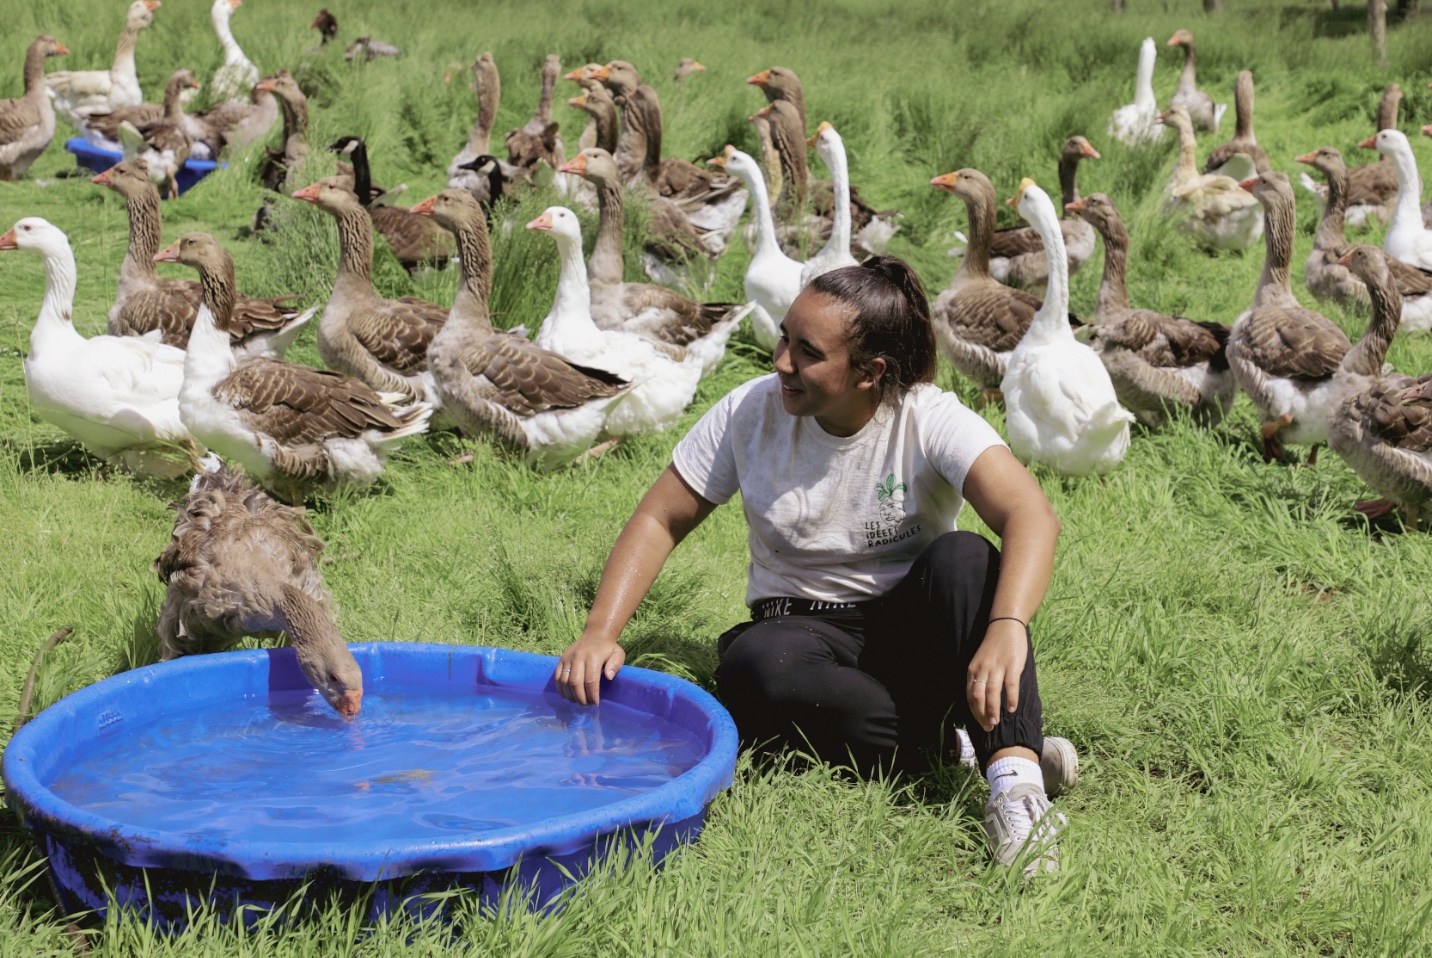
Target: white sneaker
x,y
1022,828
1060,764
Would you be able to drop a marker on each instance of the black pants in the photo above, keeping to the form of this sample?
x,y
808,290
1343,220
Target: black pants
x,y
883,684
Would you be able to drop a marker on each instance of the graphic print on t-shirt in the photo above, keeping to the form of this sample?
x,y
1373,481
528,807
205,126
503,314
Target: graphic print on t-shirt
x,y
890,500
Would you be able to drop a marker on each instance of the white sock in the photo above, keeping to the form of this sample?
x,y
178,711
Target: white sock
x,y
1005,773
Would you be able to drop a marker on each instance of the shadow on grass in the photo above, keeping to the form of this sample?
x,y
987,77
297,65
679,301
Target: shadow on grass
x,y
52,458
1398,652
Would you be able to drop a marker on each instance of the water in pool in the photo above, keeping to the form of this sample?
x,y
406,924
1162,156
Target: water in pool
x,y
414,765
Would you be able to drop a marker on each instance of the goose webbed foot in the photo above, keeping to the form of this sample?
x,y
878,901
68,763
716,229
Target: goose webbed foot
x,y
598,450
1375,508
1272,448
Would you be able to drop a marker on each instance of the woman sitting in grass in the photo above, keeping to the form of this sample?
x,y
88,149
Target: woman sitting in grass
x,y
873,622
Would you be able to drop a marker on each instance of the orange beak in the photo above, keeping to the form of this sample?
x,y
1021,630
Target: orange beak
x,y
151,5
425,208
235,4
1075,207
945,182
1088,151
8,240
309,194
717,161
169,254
577,165
1345,259
1172,41
60,49
697,67
575,74
760,79
763,111
580,102
1163,118
815,137
1012,202
1248,183
1305,158
603,73
266,86
350,704
543,223
103,178
1369,144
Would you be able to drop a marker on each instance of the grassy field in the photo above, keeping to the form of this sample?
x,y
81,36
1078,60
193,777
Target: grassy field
x,y
1237,656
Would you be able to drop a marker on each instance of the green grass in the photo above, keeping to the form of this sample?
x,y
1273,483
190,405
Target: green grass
x,y
1238,657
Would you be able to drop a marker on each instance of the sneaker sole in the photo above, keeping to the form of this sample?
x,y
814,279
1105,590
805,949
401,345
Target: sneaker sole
x,y
1060,764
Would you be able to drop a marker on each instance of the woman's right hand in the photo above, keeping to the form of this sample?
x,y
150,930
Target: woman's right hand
x,y
583,666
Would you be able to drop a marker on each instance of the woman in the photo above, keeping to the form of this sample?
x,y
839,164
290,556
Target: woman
x,y
873,621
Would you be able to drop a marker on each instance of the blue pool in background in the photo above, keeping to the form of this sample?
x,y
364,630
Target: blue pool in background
x,y
98,160
226,778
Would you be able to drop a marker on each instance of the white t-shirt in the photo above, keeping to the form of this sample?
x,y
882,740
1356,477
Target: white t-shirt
x,y
835,519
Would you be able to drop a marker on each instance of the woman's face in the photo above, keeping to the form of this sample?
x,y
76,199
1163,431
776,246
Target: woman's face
x,y
812,361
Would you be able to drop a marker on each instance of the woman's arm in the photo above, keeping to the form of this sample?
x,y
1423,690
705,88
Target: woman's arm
x,y
669,510
1011,503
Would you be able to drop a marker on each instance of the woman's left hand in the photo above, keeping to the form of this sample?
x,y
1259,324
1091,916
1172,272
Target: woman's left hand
x,y
996,668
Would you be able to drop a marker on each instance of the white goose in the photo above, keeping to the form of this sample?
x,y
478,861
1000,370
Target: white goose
x,y
1138,122
773,279
1407,237
117,395
78,93
664,377
836,252
1060,405
236,78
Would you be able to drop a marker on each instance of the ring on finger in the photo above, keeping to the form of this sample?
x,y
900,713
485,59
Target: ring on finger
x,y
979,681
565,671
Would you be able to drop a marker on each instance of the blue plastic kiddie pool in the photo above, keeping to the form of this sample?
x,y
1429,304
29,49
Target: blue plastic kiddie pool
x,y
93,158
226,778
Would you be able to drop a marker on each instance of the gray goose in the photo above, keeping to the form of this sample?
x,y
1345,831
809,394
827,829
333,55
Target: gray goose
x,y
383,342
145,301
685,68
1282,354
293,428
539,140
165,143
1330,280
1387,443
653,312
488,86
1017,253
781,85
416,241
27,124
978,320
1204,113
769,158
1243,142
239,564
280,167
1157,362
493,383
623,80
601,110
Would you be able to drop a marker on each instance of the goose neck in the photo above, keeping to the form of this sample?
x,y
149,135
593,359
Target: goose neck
x,y
1273,283
1113,292
1052,317
1144,79
1187,150
144,233
544,102
1069,178
35,73
981,212
1409,187
216,285
761,207
1243,111
1188,79
124,50
470,307
1368,353
651,117
572,306
840,190
355,247
232,52
606,261
489,96
56,309
1331,234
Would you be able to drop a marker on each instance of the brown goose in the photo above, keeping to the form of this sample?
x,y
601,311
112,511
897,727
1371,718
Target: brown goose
x,y
978,320
654,312
1283,355
232,125
1387,443
769,158
27,124
788,126
293,428
145,301
383,342
1243,142
416,241
1372,187
479,141
280,167
1017,254
601,109
623,80
685,68
164,144
1157,362
1330,280
327,26
493,383
1204,113
240,564
539,140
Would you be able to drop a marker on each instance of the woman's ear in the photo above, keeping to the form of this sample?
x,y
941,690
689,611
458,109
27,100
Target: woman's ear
x,y
871,378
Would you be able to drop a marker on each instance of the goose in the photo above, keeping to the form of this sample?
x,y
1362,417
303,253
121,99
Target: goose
x,y
1282,354
366,48
145,302
1017,254
623,80
1226,158
1157,362
1371,187
492,383
27,124
1137,123
600,133
327,26
1330,281
540,140
653,312
1388,444
1427,209
836,252
685,68
786,95
770,158
237,76
78,93
978,320
664,376
232,125
239,564
416,241
773,279
383,342
117,395
1202,111
293,428
1210,207
164,145
1407,237
479,141
1060,406
281,167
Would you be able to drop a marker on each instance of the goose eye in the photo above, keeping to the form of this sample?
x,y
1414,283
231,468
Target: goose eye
x,y
333,678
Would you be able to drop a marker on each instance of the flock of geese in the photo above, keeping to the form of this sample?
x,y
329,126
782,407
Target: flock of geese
x,y
194,365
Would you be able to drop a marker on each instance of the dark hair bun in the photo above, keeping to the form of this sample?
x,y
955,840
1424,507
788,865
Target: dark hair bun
x,y
891,322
